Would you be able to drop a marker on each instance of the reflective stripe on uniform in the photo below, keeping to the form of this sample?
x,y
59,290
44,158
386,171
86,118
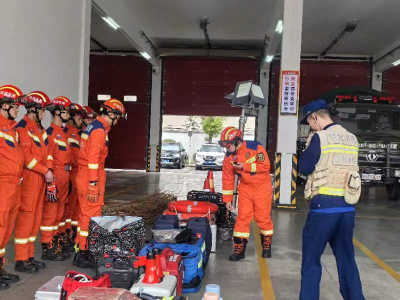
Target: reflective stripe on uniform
x,y
55,227
68,221
340,146
84,136
46,228
253,168
340,151
251,160
60,143
241,234
21,241
200,264
78,229
203,248
34,137
335,148
227,192
93,166
84,233
73,141
74,223
50,157
61,224
267,232
32,239
32,164
3,251
330,191
44,135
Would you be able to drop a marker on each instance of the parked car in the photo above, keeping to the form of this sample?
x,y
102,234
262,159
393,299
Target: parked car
x,y
210,156
173,155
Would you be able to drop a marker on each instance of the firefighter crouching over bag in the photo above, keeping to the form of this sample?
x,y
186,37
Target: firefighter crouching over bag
x,y
11,166
250,161
57,191
333,185
91,177
37,162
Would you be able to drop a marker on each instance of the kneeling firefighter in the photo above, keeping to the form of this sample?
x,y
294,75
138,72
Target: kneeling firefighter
x,y
249,160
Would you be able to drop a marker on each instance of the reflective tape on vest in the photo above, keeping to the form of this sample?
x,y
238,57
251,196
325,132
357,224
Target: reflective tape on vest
x,y
241,234
46,228
330,191
32,164
21,241
227,192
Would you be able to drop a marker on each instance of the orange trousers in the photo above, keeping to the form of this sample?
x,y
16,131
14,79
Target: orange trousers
x,y
53,212
255,200
71,211
88,209
10,192
30,214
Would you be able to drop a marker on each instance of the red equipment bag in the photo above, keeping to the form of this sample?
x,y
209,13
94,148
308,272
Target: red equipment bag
x,y
172,264
75,280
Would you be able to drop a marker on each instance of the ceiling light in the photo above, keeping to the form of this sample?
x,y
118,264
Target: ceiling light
x,y
111,22
269,58
279,27
396,63
145,55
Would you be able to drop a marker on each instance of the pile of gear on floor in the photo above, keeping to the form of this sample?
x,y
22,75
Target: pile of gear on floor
x,y
171,265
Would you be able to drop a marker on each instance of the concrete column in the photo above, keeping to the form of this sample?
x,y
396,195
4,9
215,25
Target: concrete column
x,y
262,118
153,158
377,80
287,124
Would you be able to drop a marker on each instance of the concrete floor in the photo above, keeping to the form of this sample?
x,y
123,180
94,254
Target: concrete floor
x,y
377,229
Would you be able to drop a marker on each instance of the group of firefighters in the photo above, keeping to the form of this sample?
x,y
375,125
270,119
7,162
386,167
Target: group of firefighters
x,y
53,180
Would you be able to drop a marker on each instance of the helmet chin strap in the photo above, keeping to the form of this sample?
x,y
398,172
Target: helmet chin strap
x,y
76,125
112,119
9,116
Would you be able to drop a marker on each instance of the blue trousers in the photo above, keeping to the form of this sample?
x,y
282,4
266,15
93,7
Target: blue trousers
x,y
337,229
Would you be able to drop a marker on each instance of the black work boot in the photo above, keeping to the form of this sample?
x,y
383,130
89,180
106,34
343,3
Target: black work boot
x,y
6,277
239,250
39,264
81,259
266,242
25,266
66,243
4,285
59,242
49,252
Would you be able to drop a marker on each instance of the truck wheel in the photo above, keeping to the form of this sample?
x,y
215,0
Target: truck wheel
x,y
393,191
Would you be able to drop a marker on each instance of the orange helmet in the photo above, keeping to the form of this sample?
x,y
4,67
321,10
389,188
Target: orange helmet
x,y
59,103
89,112
10,94
114,106
76,109
230,136
37,99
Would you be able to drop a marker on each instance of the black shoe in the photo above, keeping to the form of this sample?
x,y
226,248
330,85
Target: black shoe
x,y
7,277
39,264
4,285
266,243
25,266
49,252
240,249
81,260
63,244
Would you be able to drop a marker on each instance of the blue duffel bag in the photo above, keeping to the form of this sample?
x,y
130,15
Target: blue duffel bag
x,y
192,256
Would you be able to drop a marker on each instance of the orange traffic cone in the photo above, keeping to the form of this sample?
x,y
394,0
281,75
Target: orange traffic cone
x,y
206,186
210,177
157,253
150,275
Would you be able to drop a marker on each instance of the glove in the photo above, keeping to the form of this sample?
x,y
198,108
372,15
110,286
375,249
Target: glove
x,y
51,192
93,192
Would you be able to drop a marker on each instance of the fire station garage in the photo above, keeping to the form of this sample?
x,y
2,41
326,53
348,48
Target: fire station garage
x,y
296,104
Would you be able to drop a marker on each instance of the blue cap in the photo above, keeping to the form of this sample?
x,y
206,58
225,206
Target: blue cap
x,y
313,107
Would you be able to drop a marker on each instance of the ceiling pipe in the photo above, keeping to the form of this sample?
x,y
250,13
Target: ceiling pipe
x,y
203,26
350,27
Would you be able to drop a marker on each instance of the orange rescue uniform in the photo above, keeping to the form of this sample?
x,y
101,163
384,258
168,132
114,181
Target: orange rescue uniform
x,y
34,144
92,156
71,213
53,212
11,166
255,188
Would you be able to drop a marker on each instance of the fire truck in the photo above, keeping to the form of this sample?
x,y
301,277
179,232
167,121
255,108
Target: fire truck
x,y
374,117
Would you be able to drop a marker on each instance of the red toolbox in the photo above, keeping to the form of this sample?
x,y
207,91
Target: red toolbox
x,y
172,264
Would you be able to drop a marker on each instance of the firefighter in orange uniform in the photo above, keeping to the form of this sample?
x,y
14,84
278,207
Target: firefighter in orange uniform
x,y
57,192
11,166
71,213
33,142
249,160
91,177
90,116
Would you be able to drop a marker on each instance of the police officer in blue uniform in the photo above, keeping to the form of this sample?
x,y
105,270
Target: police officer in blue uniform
x,y
331,155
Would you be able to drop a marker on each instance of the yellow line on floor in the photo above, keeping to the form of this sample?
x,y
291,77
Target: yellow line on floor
x,y
376,259
120,192
266,284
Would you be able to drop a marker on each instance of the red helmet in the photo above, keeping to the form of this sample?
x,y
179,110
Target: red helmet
x,y
114,106
59,103
10,94
89,112
76,109
229,136
37,99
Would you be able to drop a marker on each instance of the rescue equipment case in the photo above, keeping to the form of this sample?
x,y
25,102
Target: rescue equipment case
x,y
201,228
167,222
